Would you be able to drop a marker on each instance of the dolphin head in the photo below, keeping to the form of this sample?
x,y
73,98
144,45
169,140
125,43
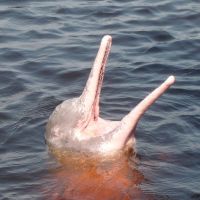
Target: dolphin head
x,y
75,120
75,123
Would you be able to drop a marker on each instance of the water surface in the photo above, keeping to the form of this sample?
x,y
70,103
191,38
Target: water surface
x,y
46,51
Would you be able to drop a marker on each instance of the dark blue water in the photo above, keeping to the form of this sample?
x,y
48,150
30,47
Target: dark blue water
x,y
46,51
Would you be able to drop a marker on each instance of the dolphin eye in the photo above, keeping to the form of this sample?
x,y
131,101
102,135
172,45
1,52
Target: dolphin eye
x,y
56,132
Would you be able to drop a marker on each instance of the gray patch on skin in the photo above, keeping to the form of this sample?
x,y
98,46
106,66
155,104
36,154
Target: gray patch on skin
x,y
62,121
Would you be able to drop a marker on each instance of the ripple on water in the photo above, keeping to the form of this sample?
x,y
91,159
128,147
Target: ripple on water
x,y
11,55
46,50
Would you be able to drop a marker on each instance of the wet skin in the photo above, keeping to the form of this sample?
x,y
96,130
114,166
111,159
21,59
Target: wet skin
x,y
76,125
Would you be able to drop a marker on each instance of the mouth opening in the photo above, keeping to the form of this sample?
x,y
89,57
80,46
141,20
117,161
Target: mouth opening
x,y
100,81
91,93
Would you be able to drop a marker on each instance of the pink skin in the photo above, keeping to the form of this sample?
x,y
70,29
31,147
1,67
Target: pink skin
x,y
88,126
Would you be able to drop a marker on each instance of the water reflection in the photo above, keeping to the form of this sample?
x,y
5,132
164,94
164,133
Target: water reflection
x,y
93,177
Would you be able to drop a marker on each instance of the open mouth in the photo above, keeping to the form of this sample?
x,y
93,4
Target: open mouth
x,y
91,93
100,80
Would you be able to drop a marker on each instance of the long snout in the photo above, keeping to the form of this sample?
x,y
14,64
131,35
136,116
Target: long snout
x,y
91,92
128,124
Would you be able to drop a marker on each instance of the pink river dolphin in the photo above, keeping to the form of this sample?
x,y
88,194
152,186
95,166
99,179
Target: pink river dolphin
x,y
75,124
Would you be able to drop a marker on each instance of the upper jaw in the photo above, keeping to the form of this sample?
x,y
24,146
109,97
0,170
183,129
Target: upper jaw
x,y
91,93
